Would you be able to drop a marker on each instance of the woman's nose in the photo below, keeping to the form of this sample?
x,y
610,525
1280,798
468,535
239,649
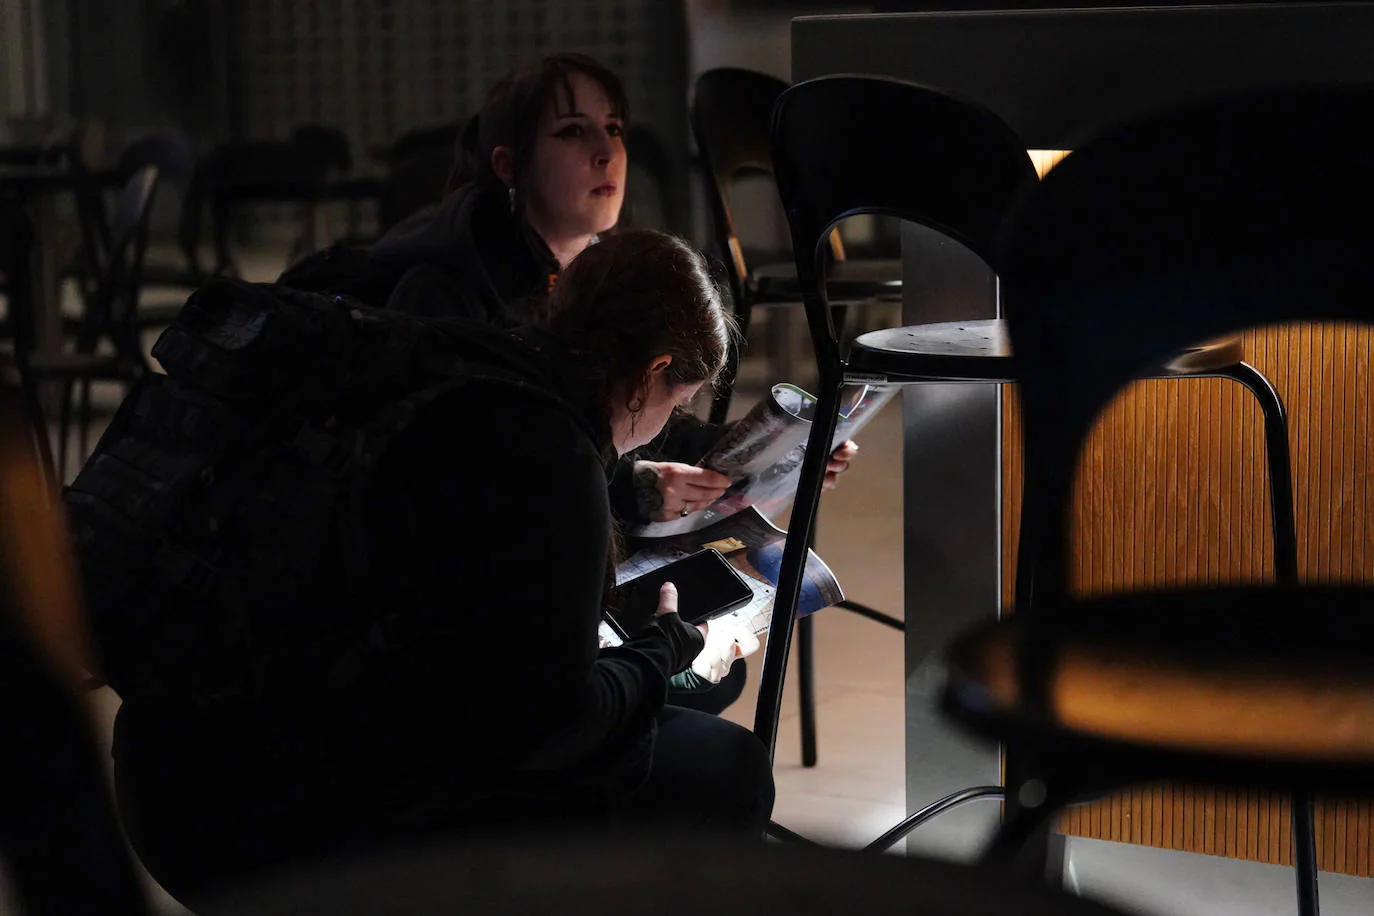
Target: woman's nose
x,y
605,150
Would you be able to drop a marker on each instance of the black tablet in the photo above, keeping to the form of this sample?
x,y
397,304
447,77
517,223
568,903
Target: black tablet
x,y
707,586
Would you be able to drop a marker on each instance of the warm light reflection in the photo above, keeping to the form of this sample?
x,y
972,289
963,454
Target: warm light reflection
x,y
1046,159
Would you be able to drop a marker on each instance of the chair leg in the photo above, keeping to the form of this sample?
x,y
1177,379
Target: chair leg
x,y
934,809
1024,841
794,555
864,610
64,422
38,422
1305,854
83,430
1280,469
806,687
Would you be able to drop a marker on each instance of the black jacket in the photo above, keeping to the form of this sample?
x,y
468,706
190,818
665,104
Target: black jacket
x,y
468,258
477,665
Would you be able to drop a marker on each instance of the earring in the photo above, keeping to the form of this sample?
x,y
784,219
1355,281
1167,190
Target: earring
x,y
512,201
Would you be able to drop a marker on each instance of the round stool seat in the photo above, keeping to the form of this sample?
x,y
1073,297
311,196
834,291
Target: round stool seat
x,y
946,351
980,351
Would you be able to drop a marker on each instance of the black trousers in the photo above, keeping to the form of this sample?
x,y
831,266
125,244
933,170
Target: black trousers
x,y
207,824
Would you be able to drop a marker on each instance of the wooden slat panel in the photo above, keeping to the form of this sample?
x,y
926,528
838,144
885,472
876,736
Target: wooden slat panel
x,y
1172,489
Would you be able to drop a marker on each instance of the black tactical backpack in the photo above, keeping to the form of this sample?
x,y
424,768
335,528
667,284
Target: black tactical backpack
x,y
343,269
206,513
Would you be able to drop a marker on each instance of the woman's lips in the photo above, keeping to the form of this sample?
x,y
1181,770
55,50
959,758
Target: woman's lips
x,y
605,190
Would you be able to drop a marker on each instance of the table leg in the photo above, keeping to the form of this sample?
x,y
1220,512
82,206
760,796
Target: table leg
x,y
952,540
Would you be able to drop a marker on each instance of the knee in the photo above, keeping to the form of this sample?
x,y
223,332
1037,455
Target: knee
x,y
751,780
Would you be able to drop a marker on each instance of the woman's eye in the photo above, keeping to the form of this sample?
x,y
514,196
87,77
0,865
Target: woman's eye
x,y
571,132
615,130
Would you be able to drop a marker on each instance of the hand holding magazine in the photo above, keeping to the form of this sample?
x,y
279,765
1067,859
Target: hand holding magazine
x,y
762,453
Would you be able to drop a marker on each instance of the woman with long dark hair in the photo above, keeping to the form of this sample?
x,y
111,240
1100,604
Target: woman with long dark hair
x,y
539,174
468,691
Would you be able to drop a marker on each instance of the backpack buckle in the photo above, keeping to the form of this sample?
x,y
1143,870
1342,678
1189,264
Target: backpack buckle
x,y
323,450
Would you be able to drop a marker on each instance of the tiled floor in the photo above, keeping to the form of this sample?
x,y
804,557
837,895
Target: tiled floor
x,y
857,790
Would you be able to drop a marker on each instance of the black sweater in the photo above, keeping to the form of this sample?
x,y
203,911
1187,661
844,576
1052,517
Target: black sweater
x,y
469,257
489,531
493,512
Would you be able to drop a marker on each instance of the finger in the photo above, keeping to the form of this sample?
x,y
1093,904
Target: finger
x,y
701,486
698,496
667,599
746,645
846,450
705,477
837,467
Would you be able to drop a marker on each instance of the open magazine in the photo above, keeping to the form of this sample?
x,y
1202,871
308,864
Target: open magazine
x,y
762,453
751,544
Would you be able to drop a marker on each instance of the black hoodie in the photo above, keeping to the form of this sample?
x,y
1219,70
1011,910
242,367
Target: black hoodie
x,y
478,672
468,257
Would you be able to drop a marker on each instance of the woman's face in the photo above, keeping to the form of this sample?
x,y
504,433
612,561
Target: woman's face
x,y
657,400
576,177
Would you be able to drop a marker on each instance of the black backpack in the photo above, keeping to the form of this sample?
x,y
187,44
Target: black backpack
x,y
208,511
343,269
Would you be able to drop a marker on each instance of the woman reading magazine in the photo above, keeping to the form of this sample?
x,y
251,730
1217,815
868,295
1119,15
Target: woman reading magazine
x,y
481,700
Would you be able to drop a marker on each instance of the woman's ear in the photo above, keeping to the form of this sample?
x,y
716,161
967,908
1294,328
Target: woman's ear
x,y
503,165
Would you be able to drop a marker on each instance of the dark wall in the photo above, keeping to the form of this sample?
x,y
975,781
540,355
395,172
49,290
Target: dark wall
x,y
139,64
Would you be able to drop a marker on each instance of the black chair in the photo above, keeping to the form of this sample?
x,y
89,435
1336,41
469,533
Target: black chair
x,y
414,181
16,253
236,175
848,145
173,153
108,313
1178,228
648,159
424,139
731,113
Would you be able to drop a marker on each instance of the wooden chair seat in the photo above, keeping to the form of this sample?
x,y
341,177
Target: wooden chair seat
x,y
1199,681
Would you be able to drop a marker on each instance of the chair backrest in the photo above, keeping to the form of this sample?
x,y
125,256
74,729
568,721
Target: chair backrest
x,y
850,145
426,139
413,182
731,112
328,144
112,308
648,156
264,170
171,151
1167,232
16,251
